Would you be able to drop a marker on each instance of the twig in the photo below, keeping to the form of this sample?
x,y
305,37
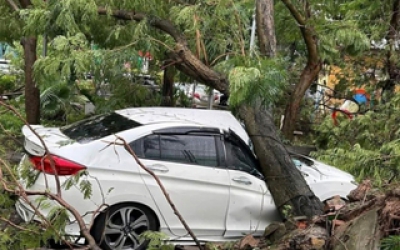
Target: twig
x,y
170,64
127,148
336,216
57,197
220,56
24,196
47,152
9,222
341,242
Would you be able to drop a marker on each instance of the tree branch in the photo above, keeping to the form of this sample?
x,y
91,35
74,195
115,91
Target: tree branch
x,y
84,230
160,24
295,13
9,222
47,152
25,3
164,191
19,190
57,197
13,5
189,64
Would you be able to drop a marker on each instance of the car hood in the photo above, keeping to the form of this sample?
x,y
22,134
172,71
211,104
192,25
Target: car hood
x,y
307,165
330,171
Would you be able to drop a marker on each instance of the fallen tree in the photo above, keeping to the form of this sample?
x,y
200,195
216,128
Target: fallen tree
x,y
274,158
361,223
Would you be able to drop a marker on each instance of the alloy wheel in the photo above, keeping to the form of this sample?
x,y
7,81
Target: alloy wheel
x,y
124,226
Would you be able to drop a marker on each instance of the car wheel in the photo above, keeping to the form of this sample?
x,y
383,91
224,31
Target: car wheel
x,y
119,227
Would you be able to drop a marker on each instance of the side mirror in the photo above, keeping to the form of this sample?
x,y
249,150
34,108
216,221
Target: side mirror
x,y
297,163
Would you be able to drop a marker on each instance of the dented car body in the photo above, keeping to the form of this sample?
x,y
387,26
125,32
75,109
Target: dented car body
x,y
202,157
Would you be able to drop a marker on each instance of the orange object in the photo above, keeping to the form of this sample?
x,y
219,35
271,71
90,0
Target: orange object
x,y
362,92
301,224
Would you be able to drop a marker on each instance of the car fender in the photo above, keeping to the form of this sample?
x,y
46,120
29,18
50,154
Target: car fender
x,y
328,189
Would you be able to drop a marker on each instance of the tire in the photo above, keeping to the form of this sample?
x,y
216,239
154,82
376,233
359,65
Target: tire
x,y
119,227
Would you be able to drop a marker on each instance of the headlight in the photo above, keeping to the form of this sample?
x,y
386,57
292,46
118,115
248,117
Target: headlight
x,y
354,182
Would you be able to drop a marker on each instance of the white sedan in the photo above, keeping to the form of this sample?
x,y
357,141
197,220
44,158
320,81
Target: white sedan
x,y
202,157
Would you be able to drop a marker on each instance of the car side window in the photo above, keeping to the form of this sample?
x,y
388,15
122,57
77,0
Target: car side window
x,y
240,159
151,147
192,149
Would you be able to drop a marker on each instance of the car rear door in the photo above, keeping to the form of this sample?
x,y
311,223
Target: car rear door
x,y
188,165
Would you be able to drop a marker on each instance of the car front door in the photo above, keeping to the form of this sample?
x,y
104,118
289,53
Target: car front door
x,y
251,206
189,168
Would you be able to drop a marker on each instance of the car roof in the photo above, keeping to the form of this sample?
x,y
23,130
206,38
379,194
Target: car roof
x,y
211,118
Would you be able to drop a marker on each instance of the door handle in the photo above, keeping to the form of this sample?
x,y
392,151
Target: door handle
x,y
158,168
242,180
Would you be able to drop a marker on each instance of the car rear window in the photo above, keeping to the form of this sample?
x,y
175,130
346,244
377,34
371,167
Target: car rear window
x,y
97,127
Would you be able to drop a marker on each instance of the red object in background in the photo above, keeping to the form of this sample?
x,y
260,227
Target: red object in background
x,y
145,55
345,112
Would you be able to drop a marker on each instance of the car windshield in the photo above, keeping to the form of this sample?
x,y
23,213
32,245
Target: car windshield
x,y
97,127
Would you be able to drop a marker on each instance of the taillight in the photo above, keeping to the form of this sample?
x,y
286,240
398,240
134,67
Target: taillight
x,y
61,166
197,95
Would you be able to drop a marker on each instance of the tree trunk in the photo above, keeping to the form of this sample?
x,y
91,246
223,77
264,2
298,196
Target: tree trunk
x,y
292,110
32,94
393,69
266,27
284,180
168,86
310,71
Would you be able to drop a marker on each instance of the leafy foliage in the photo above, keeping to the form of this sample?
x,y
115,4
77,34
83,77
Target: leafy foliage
x,y
340,26
157,240
367,146
254,79
7,83
9,123
391,243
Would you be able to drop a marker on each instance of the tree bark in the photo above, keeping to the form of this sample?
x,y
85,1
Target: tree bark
x,y
32,94
168,86
266,27
309,73
393,69
284,180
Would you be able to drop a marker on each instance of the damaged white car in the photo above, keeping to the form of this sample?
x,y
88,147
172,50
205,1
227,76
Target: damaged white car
x,y
202,157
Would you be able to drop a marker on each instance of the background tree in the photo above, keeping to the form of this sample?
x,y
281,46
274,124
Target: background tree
x,y
265,24
393,38
326,30
12,26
